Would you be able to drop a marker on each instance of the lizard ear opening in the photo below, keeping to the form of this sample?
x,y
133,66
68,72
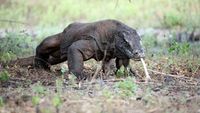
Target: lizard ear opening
x,y
121,34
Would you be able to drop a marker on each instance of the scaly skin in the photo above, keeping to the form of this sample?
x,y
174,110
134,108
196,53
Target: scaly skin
x,y
101,40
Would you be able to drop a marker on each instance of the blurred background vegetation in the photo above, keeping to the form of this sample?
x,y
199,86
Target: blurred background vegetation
x,y
137,13
24,23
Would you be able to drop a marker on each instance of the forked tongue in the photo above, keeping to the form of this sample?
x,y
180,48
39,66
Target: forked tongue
x,y
148,78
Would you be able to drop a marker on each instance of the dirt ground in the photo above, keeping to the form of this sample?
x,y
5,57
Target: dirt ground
x,y
166,93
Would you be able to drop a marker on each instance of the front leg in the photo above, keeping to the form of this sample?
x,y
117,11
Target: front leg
x,y
75,62
122,62
78,52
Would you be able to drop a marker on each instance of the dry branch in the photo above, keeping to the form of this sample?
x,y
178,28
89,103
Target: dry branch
x,y
176,76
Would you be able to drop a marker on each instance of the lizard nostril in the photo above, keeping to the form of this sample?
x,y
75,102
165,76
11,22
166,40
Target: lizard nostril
x,y
136,53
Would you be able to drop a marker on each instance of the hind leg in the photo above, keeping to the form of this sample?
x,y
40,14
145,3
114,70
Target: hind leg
x,y
45,49
55,58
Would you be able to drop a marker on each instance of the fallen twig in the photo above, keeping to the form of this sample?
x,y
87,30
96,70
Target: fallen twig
x,y
176,76
94,100
193,97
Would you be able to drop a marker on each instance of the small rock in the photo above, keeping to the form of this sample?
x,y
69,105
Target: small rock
x,y
156,89
25,98
139,98
198,111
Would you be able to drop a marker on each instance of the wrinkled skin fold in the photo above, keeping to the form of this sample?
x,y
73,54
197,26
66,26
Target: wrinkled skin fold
x,y
101,40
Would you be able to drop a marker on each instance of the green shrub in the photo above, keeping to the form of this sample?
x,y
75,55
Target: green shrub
x,y
15,44
107,93
38,89
179,48
127,87
56,101
7,56
35,100
4,76
1,102
172,19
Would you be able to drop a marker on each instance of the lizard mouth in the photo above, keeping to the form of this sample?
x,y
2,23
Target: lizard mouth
x,y
125,53
138,56
136,59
